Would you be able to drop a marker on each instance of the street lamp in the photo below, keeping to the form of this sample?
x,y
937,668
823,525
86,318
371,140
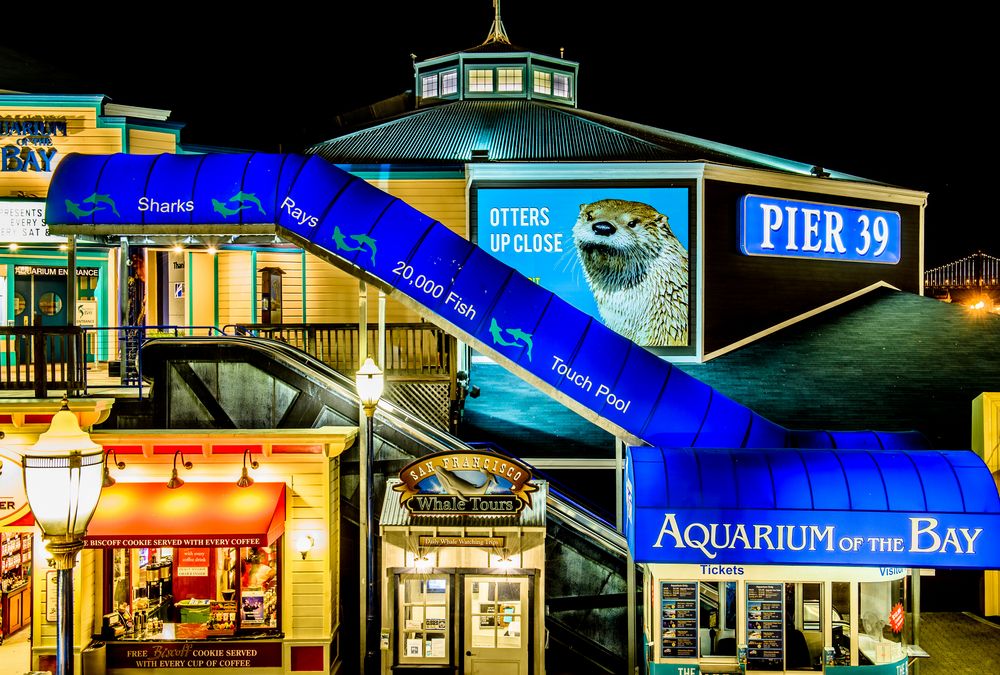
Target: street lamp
x,y
370,383
63,473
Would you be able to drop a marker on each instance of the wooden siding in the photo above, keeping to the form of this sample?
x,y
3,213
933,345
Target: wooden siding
x,y
291,282
234,285
202,275
442,199
143,142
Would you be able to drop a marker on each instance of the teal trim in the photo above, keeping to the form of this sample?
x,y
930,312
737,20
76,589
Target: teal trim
x,y
303,287
115,123
246,247
900,667
215,290
374,171
674,669
253,286
56,100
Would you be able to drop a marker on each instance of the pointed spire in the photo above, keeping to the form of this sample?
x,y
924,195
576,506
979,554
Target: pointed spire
x,y
497,32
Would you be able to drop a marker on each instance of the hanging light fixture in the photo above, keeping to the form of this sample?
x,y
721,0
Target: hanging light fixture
x,y
108,480
175,480
245,480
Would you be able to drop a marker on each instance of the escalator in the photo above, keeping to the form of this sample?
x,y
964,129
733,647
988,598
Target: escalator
x,y
207,382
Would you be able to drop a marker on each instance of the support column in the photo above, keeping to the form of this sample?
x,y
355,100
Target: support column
x,y
364,462
630,608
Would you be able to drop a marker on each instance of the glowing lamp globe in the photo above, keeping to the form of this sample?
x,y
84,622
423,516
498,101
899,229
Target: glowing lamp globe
x,y
370,381
63,474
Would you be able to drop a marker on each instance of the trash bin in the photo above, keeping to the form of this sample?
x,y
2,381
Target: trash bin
x,y
94,659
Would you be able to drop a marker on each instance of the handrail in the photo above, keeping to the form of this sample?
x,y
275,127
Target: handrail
x,y
573,514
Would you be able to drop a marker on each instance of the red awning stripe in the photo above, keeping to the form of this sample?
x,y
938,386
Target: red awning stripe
x,y
193,515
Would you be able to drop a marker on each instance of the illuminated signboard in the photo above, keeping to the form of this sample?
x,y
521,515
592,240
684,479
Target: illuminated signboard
x,y
28,142
793,229
24,221
465,483
619,254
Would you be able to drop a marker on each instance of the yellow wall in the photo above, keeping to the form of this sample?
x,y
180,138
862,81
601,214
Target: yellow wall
x,y
986,443
332,295
234,287
82,135
144,142
201,311
291,283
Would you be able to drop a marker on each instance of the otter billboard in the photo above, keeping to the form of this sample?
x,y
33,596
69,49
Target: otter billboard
x,y
617,253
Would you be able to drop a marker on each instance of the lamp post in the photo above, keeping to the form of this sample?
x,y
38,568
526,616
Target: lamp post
x,y
370,383
63,473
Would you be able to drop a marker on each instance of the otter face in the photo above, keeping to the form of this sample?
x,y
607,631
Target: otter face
x,y
618,240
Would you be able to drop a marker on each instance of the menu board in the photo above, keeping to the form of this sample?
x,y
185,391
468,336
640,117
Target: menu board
x,y
765,626
678,619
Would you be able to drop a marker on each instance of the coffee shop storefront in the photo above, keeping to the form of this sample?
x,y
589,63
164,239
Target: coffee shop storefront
x,y
463,562
208,549
799,560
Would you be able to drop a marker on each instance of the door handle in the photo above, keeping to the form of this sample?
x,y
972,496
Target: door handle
x,y
468,653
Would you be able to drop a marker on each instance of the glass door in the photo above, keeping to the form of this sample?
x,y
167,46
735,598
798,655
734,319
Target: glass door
x,y
497,620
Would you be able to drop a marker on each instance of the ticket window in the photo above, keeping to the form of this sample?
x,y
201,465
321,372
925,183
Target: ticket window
x,y
424,612
717,618
840,620
804,640
878,639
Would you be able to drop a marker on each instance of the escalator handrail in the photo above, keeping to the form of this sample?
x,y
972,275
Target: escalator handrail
x,y
565,508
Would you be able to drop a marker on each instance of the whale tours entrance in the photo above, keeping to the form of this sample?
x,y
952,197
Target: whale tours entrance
x,y
463,551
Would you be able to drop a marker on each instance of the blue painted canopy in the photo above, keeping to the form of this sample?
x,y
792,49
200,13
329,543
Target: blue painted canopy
x,y
910,508
536,335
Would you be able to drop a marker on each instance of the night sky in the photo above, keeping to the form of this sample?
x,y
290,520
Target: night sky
x,y
900,99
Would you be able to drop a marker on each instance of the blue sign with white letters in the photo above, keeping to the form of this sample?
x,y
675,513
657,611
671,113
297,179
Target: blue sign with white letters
x,y
866,508
788,228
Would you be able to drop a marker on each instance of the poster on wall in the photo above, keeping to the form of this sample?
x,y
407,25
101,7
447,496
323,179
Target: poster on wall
x,y
765,626
620,254
678,620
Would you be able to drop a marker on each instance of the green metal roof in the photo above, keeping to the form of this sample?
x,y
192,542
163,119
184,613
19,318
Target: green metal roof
x,y
532,130
887,360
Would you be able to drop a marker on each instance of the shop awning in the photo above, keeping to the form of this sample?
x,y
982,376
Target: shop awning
x,y
195,514
916,508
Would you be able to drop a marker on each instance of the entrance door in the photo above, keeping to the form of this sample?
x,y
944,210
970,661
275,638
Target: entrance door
x,y
497,622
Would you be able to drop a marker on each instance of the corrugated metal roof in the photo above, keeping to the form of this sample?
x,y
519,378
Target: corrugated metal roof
x,y
531,130
394,514
518,130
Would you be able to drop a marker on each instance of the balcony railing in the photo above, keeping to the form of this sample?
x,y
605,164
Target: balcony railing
x,y
412,350
39,358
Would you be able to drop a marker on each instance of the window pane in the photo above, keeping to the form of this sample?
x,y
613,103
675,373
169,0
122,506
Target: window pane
x,y
543,82
480,80
876,640
50,304
561,85
803,631
449,82
423,611
717,628
429,86
840,616
509,79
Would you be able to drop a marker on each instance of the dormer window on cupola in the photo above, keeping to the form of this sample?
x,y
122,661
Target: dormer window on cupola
x,y
496,69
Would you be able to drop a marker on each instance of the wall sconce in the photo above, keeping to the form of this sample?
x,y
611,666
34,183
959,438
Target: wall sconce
x,y
423,563
108,480
175,480
303,544
245,480
503,562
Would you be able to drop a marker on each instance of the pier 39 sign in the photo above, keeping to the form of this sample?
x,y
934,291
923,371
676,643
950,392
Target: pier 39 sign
x,y
787,228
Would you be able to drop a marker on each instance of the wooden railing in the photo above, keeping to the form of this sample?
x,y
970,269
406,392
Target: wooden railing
x,y
419,350
41,358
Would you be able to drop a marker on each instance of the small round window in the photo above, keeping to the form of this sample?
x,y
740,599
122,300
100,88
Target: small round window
x,y
50,304
19,304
